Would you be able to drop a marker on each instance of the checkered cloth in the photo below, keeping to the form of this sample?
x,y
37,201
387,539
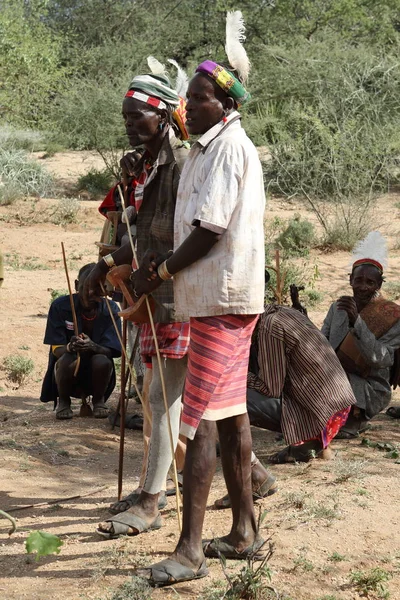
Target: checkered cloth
x,y
172,338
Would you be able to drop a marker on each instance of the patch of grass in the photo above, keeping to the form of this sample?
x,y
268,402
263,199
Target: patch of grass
x,y
17,263
137,588
348,469
18,367
66,212
23,347
362,492
297,499
371,581
336,557
24,174
319,510
301,562
11,444
95,182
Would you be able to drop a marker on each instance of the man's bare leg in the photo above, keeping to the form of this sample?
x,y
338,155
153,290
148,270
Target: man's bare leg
x,y
64,374
236,445
198,474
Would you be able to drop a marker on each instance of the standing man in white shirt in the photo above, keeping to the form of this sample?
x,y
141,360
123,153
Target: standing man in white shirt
x,y
218,271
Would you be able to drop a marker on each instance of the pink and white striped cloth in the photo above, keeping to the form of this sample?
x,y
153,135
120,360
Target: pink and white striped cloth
x,y
218,356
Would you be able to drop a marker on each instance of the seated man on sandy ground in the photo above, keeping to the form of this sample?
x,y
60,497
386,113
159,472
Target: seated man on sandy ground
x,y
364,330
296,384
96,345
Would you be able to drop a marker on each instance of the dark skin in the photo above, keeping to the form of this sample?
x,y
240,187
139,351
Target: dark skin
x,y
366,281
142,125
207,105
99,357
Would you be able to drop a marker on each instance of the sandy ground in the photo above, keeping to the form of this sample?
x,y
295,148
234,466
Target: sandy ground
x,y
329,518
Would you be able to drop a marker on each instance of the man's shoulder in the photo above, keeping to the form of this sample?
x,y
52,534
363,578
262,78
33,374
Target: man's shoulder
x,y
61,303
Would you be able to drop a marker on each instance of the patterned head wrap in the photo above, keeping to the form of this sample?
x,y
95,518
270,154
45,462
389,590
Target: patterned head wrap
x,y
156,91
226,80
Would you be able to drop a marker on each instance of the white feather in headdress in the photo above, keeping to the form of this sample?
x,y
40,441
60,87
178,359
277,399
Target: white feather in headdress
x,y
373,246
156,67
235,35
182,80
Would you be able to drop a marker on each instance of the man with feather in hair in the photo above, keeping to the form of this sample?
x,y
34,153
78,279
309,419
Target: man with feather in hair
x,y
364,330
218,273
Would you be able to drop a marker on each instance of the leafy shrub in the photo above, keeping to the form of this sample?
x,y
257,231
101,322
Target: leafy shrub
x,y
23,173
298,237
137,588
18,367
95,182
54,294
66,212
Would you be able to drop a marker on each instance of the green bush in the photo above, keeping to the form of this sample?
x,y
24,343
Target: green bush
x,y
96,182
66,211
298,236
24,174
54,294
18,368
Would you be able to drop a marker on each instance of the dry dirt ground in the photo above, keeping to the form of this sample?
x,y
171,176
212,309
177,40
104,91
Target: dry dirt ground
x,y
328,519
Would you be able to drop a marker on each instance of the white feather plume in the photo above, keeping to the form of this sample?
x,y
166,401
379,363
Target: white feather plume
x,y
373,246
182,80
235,35
155,66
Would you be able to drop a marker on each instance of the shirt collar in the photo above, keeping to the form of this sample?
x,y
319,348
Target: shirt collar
x,y
212,133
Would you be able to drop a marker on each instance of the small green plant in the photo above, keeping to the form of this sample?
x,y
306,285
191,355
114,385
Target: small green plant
x,y
43,544
18,367
301,562
298,237
95,182
349,469
54,294
371,581
66,211
336,557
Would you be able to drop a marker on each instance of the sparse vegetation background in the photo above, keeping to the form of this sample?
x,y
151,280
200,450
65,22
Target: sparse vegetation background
x,y
325,84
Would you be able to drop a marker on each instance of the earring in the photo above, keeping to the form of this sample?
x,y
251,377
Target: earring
x,y
161,126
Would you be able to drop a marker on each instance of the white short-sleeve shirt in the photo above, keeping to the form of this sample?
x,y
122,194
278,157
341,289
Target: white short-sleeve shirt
x,y
221,187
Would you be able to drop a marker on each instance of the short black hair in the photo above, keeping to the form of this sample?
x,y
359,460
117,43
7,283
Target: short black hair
x,y
85,270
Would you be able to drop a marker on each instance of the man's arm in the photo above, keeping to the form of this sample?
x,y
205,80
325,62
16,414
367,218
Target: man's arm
x,y
326,325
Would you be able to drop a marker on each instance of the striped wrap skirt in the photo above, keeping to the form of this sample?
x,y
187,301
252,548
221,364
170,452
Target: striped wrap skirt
x,y
218,357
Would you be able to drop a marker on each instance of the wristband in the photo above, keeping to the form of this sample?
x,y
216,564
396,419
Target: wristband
x,y
163,272
69,348
109,261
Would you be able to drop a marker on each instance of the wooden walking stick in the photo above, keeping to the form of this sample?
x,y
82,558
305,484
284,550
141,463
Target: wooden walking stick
x,y
71,300
122,413
150,315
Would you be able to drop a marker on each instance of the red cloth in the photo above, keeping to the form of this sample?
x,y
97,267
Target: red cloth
x,y
172,338
215,386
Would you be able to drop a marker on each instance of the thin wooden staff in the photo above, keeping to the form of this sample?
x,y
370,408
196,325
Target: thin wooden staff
x,y
122,412
123,350
71,300
164,391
